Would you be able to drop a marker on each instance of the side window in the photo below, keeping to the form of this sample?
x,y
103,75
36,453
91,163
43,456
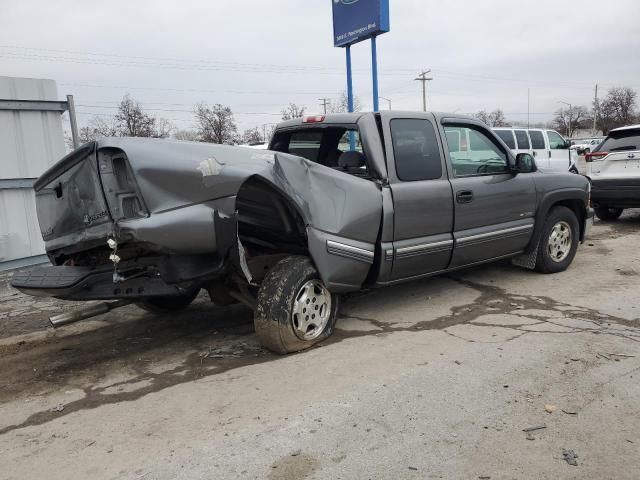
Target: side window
x,y
483,155
556,142
537,140
523,139
415,149
306,144
507,137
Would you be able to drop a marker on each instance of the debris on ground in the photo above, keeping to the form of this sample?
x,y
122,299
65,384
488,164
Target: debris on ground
x,y
413,468
569,412
602,355
621,355
533,429
570,457
550,408
58,408
296,453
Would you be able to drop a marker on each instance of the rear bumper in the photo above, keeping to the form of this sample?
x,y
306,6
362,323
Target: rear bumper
x,y
616,193
84,283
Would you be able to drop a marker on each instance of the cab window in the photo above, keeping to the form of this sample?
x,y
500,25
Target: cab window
x,y
482,154
556,142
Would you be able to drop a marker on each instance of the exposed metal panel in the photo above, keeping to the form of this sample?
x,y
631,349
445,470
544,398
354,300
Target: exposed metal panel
x,y
33,105
19,231
30,142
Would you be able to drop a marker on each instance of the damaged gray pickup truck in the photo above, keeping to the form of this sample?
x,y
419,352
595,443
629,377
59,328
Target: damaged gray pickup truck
x,y
338,204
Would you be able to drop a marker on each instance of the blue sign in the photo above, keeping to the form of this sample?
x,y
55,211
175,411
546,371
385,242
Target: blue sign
x,y
357,20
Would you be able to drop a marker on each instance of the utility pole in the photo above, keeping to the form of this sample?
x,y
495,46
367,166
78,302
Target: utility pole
x,y
264,132
386,100
422,77
528,107
595,110
324,102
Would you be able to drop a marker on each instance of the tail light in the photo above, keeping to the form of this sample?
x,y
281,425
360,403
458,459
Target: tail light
x,y
592,156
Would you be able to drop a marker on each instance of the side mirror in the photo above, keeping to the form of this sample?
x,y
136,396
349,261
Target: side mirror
x,y
524,164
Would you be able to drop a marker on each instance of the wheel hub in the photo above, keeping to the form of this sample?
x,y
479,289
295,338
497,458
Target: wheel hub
x,y
311,310
559,244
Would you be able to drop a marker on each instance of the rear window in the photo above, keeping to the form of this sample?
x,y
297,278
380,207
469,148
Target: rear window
x,y
305,144
625,140
537,140
416,150
523,139
507,137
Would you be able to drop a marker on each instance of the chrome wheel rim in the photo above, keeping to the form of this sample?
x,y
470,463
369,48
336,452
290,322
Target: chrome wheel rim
x,y
311,310
559,244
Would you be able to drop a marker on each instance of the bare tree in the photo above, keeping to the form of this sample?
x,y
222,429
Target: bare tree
x,y
617,109
568,120
216,124
252,136
292,111
132,121
341,105
492,119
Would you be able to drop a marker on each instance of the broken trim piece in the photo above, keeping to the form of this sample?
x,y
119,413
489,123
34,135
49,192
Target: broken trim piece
x,y
349,251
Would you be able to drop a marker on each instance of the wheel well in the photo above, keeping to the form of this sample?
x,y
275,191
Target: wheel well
x,y
268,222
577,207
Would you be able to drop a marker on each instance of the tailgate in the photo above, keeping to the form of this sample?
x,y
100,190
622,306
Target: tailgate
x,y
70,202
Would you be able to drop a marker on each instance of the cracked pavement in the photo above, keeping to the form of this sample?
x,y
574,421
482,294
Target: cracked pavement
x,y
436,378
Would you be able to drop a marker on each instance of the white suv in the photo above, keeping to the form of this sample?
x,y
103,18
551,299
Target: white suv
x,y
614,170
549,149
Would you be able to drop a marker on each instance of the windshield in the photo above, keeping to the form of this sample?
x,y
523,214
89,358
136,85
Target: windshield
x,y
621,141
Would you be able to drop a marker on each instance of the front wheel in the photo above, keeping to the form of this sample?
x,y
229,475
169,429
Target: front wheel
x,y
294,309
559,241
607,214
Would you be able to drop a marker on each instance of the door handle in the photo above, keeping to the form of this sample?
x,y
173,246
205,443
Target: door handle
x,y
464,196
535,154
549,153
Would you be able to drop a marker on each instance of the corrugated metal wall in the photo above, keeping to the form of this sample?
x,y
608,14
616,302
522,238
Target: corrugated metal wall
x,y
30,142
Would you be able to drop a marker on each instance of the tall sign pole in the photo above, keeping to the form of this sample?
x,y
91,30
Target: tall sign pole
x,y
353,22
374,74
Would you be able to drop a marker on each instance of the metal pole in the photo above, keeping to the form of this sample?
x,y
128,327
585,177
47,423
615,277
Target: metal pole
x,y
72,120
528,107
374,73
595,110
352,138
349,81
388,100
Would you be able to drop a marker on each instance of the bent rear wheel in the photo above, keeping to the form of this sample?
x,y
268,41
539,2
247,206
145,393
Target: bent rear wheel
x,y
294,310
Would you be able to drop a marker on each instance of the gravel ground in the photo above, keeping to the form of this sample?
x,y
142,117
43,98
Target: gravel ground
x,y
438,378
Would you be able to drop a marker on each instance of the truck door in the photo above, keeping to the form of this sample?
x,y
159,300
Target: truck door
x,y
494,208
422,198
540,149
559,155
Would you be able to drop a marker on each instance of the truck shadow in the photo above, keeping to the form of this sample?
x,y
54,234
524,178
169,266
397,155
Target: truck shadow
x,y
156,352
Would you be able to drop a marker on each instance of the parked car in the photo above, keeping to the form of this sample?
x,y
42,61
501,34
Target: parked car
x,y
585,145
550,150
339,203
614,170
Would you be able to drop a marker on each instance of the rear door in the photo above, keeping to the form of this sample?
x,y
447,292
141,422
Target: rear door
x,y
559,154
493,208
422,198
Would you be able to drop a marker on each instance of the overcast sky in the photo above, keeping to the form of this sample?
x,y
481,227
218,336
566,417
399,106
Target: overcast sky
x,y
258,55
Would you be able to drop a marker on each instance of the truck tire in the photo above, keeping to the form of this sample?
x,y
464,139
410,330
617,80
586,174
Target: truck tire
x,y
169,303
558,242
294,310
607,214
